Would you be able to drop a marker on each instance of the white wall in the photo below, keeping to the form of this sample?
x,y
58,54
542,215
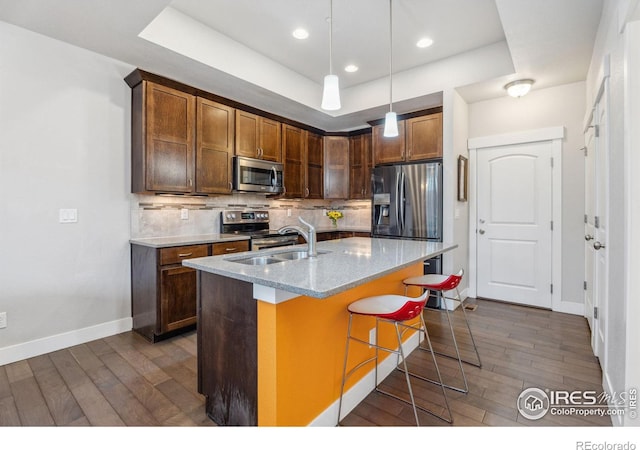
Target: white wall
x,y
558,106
64,125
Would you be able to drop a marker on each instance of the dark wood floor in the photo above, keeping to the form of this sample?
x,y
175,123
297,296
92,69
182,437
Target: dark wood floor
x,y
124,380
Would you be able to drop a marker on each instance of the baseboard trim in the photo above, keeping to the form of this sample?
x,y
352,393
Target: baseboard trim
x,y
64,340
359,391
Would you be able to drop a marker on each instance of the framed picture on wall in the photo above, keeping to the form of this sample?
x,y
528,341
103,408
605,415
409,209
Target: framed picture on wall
x,y
463,176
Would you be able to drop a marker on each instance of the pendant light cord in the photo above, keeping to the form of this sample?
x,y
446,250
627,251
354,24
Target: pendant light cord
x,y
390,55
331,37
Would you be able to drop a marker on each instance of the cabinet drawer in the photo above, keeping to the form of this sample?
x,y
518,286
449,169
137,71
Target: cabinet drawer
x,y
174,255
222,248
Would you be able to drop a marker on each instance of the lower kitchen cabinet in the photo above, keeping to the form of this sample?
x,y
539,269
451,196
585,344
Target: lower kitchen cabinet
x,y
163,291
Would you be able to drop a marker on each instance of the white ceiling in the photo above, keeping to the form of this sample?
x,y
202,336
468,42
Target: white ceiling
x,y
243,49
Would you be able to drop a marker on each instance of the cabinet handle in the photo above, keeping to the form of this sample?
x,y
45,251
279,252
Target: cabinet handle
x,y
190,182
232,249
306,192
230,186
184,255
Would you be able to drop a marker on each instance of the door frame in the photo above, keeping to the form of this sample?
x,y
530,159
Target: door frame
x,y
555,135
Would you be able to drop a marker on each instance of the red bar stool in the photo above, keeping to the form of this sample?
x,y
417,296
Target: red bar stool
x,y
442,284
397,310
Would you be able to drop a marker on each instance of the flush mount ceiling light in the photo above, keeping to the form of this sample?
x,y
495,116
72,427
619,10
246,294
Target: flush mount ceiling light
x,y
390,119
519,88
331,91
300,33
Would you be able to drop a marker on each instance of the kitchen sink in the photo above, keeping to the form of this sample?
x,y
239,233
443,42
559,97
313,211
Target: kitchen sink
x,y
273,258
257,260
300,254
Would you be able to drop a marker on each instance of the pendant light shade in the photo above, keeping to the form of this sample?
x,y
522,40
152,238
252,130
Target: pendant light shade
x,y
331,91
390,119
390,124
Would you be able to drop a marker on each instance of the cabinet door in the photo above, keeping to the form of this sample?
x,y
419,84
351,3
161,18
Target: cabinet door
x,y
214,147
270,139
315,164
388,150
358,167
247,140
170,136
336,167
177,298
294,157
424,137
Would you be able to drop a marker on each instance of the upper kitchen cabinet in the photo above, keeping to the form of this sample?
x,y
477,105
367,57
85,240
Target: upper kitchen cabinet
x,y
315,166
360,166
258,137
294,149
336,167
214,147
424,137
419,138
163,137
388,149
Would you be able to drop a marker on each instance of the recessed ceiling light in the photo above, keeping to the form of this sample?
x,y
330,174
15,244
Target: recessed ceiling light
x,y
351,68
424,43
300,33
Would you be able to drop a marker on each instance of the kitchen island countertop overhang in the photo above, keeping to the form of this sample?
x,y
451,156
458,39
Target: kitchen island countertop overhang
x,y
343,264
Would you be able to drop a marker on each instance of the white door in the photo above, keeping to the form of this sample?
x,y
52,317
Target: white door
x,y
600,222
589,214
514,210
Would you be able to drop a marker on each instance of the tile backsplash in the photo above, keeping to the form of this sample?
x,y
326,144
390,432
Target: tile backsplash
x,y
161,216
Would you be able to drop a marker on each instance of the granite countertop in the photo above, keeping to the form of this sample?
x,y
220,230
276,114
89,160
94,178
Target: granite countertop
x,y
348,263
176,241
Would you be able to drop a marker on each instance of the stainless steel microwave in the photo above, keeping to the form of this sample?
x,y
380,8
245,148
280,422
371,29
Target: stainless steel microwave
x,y
257,175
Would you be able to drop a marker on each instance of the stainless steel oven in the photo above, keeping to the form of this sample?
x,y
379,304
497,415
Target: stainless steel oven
x,y
255,224
257,175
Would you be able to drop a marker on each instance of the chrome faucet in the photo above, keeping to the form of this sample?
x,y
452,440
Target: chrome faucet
x,y
309,235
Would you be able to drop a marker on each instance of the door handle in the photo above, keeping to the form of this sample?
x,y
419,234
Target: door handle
x,y
588,237
597,245
481,231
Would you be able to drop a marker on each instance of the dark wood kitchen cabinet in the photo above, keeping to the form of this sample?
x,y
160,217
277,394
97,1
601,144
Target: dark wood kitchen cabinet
x,y
336,167
163,136
423,137
315,166
215,127
294,156
419,138
360,166
258,137
163,292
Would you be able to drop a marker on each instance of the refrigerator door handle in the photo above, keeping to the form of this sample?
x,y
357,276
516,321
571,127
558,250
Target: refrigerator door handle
x,y
397,202
402,201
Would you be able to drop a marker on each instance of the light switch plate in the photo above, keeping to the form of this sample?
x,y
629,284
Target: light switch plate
x,y
3,320
184,214
68,215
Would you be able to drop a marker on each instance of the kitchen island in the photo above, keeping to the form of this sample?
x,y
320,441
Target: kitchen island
x,y
271,336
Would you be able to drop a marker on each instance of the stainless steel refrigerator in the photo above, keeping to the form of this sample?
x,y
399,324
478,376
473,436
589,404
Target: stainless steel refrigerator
x,y
407,201
407,204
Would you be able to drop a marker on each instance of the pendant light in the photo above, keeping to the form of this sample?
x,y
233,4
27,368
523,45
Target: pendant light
x,y
331,91
390,119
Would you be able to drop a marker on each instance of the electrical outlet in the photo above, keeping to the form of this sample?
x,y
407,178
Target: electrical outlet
x,y
289,212
68,215
184,214
3,320
372,337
